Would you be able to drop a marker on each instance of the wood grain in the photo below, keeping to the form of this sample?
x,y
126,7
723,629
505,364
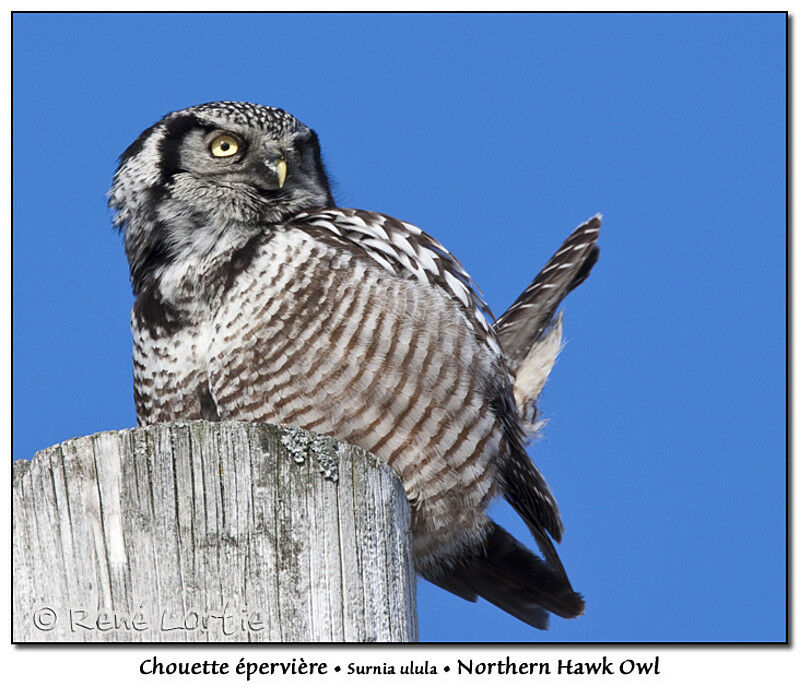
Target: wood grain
x,y
202,531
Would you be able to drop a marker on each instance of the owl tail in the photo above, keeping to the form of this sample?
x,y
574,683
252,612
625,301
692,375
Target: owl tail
x,y
530,331
514,579
530,316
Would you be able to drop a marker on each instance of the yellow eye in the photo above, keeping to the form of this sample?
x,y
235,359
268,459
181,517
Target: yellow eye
x,y
224,146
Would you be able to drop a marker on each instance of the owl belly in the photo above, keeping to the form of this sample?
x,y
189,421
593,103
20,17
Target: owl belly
x,y
318,340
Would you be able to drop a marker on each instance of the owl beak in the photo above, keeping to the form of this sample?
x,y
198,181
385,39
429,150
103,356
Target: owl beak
x,y
276,171
280,168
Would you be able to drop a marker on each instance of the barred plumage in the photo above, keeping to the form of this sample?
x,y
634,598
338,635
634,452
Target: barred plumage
x,y
259,300
529,331
525,321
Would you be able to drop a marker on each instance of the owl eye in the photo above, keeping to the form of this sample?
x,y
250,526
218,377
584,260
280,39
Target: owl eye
x,y
224,146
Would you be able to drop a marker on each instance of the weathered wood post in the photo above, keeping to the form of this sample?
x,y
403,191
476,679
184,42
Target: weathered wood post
x,y
207,531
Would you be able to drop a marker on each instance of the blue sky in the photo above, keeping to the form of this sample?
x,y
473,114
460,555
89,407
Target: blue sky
x,y
498,134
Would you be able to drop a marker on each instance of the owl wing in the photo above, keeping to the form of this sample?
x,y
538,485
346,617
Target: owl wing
x,y
406,250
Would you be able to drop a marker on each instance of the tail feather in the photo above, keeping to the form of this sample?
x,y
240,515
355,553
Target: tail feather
x,y
523,324
526,489
511,577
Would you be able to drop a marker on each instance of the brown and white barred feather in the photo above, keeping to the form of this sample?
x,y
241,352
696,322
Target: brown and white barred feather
x,y
406,250
529,331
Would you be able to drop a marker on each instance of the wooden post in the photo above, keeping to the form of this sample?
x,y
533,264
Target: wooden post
x,y
207,531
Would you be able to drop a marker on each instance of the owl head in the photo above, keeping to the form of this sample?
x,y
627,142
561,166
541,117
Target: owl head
x,y
209,171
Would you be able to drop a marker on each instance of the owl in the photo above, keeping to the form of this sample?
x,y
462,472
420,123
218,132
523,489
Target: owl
x,y
258,299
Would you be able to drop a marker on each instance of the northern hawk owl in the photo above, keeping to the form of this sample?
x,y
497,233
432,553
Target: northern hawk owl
x,y
258,299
